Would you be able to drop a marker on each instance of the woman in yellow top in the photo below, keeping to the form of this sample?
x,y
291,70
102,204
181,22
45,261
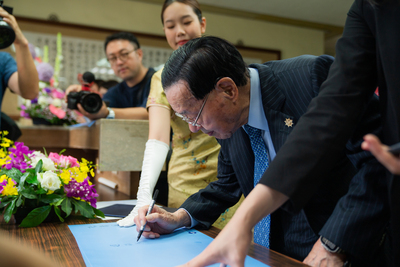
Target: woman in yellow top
x,y
194,160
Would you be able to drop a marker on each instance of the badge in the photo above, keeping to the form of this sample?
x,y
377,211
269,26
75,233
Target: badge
x,y
289,122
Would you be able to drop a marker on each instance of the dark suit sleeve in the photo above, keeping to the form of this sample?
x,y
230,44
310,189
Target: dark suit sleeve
x,y
316,143
365,204
207,205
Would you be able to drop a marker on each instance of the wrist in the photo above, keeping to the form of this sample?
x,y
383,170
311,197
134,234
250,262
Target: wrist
x,y
330,246
183,218
110,114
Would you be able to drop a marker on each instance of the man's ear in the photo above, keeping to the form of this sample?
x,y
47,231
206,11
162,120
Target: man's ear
x,y
139,51
227,87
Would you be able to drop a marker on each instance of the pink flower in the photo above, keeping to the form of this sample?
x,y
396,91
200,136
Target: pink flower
x,y
57,94
57,111
24,114
63,161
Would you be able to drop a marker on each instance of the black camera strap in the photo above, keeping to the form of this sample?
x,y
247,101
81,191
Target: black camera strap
x,y
148,76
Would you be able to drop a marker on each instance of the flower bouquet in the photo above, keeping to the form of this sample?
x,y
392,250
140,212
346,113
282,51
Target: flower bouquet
x,y
50,106
34,184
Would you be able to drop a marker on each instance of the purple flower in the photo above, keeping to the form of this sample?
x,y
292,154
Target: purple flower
x,y
34,101
2,185
24,114
17,157
45,71
47,90
82,190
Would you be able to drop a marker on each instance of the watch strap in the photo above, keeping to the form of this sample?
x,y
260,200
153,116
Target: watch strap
x,y
331,247
111,114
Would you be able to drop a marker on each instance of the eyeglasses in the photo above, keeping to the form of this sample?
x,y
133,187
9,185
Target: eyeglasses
x,y
191,121
123,56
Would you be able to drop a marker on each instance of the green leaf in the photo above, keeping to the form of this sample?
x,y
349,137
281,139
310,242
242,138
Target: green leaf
x,y
27,158
45,152
62,151
22,181
39,166
32,177
36,217
19,201
58,212
41,191
28,195
98,212
9,211
14,174
52,198
66,206
84,208
4,203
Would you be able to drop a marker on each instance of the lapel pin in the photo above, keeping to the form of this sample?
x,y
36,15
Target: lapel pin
x,y
289,122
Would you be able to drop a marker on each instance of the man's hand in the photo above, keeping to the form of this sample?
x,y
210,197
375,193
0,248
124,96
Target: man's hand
x,y
10,19
160,221
380,151
320,257
72,88
102,113
230,247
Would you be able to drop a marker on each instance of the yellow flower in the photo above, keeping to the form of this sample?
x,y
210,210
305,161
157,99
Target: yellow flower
x,y
49,192
65,176
10,189
81,176
84,169
3,177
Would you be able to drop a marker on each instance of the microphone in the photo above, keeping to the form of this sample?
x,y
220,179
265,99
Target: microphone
x,y
88,78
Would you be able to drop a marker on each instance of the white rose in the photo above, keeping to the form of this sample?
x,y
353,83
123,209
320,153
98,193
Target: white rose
x,y
48,164
57,102
42,100
49,180
26,102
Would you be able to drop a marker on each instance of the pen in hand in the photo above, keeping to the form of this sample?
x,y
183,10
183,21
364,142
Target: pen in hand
x,y
148,212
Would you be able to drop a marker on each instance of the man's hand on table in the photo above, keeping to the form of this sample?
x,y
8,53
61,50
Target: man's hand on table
x,y
160,221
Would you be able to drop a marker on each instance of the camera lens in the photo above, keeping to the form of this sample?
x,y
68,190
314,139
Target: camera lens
x,y
91,102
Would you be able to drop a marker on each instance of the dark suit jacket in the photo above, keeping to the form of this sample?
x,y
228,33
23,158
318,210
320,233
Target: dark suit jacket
x,y
367,56
287,88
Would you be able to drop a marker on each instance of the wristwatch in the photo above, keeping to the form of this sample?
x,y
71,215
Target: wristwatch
x,y
111,114
329,246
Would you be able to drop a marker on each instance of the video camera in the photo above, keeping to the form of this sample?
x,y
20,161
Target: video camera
x,y
7,34
91,102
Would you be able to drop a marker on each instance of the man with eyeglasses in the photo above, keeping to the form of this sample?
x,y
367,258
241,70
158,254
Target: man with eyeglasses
x,y
126,100
252,110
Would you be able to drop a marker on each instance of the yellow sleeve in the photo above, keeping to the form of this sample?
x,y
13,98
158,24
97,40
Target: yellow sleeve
x,y
157,96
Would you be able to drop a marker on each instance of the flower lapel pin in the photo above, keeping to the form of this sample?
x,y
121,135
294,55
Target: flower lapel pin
x,y
289,122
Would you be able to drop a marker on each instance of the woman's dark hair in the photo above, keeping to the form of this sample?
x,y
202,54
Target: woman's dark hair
x,y
192,3
201,62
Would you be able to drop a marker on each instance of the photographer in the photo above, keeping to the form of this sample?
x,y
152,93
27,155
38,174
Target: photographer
x,y
20,75
126,100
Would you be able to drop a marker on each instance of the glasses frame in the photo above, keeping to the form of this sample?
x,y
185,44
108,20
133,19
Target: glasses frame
x,y
113,60
193,123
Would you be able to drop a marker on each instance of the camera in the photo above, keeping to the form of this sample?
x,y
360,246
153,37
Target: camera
x,y
91,102
7,34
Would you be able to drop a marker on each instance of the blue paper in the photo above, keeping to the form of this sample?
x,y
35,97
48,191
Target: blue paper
x,y
107,244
